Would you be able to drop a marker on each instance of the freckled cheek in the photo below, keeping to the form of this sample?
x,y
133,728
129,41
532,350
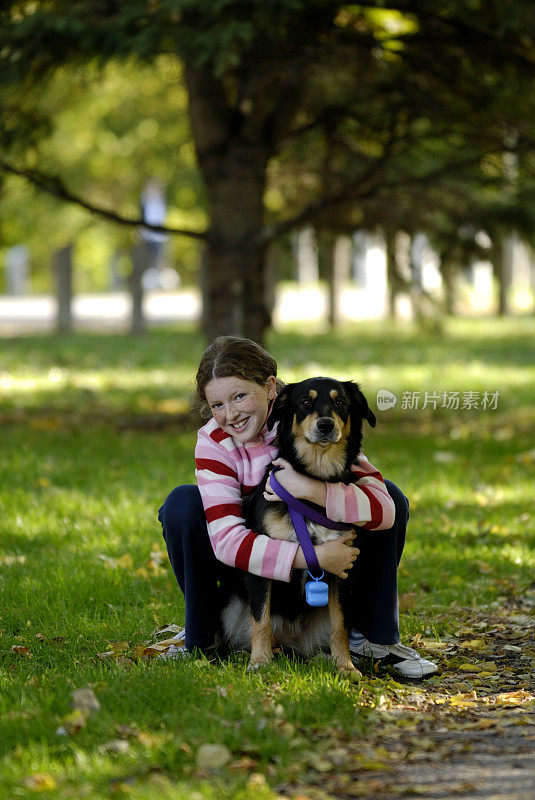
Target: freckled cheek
x,y
249,407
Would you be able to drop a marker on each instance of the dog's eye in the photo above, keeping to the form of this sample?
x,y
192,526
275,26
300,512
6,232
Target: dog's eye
x,y
339,403
306,402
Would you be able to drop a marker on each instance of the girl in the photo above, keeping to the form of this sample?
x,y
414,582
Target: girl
x,y
205,532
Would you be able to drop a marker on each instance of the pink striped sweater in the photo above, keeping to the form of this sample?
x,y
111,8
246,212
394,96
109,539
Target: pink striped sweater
x,y
226,470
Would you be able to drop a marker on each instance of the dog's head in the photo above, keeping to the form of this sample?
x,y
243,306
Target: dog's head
x,y
320,425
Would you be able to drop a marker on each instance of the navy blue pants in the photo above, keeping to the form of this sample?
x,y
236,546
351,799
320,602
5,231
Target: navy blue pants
x,y
198,572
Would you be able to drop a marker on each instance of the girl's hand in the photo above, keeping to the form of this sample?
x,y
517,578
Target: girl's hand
x,y
335,556
301,486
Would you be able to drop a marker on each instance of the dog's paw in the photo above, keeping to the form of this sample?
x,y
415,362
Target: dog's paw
x,y
255,665
346,667
350,671
257,662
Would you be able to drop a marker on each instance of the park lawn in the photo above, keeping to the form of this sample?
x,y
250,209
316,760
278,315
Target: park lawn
x,y
94,433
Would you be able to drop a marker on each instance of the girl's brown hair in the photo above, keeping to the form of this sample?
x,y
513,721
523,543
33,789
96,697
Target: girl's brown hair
x,y
228,356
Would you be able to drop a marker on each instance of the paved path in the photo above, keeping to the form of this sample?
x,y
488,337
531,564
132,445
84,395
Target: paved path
x,y
111,311
494,764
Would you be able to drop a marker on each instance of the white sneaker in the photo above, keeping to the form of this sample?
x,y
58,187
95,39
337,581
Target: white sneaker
x,y
178,650
404,660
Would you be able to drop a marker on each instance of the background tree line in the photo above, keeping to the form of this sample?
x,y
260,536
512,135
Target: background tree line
x,y
262,117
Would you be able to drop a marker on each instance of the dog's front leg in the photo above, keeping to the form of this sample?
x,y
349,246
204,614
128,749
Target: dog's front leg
x,y
260,605
339,638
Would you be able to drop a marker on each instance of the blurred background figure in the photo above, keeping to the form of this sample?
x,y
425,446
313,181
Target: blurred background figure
x,y
154,211
17,269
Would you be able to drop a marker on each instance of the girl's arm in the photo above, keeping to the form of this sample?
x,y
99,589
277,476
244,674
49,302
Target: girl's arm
x,y
233,543
365,502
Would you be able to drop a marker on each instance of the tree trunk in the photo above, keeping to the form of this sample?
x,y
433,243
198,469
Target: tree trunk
x,y
448,278
338,274
63,273
140,262
501,264
233,157
394,280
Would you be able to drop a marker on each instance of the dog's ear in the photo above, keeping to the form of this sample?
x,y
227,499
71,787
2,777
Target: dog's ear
x,y
359,404
277,409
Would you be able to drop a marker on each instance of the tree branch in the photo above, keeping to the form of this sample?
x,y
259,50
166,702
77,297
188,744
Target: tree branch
x,y
55,186
316,207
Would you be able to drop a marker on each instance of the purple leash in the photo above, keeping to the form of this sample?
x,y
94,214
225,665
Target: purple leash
x,y
317,593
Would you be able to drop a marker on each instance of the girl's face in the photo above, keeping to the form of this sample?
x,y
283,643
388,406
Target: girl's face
x,y
238,406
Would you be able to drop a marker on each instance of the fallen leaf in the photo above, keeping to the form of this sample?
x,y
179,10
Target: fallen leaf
x,y
141,572
514,698
146,739
473,644
21,650
73,723
119,746
40,782
244,763
124,562
172,628
118,648
482,666
317,762
460,702
85,700
212,756
107,654
434,646
257,782
163,644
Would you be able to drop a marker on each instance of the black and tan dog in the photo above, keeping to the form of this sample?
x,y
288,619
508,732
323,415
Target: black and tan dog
x,y
320,434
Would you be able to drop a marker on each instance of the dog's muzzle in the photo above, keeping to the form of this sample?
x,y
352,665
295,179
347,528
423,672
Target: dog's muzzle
x,y
325,431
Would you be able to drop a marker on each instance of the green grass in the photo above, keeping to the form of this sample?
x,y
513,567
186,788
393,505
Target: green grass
x,y
94,435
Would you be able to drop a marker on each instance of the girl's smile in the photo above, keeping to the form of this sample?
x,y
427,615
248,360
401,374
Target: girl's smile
x,y
238,406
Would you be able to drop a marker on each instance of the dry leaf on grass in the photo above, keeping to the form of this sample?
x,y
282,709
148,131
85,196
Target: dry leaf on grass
x,y
212,756
40,782
22,650
124,562
245,763
171,628
85,700
118,746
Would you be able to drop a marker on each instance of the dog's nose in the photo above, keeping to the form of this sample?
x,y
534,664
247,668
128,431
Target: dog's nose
x,y
325,424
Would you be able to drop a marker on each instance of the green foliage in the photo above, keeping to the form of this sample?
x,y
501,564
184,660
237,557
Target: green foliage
x,y
135,126
365,115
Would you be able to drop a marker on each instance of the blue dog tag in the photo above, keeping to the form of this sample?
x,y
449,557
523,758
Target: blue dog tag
x,y
317,591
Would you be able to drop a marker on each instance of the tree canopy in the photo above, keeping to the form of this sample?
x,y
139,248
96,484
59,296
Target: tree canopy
x,y
302,111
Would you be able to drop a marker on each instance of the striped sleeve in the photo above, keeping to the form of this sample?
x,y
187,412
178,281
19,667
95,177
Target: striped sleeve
x,y
233,543
365,502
